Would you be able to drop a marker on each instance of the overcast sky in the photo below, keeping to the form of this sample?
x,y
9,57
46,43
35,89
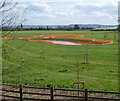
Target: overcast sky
x,y
52,12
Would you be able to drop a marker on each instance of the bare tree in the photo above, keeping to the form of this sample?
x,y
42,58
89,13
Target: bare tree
x,y
12,16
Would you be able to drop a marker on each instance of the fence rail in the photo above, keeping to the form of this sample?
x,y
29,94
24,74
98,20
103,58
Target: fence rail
x,y
55,94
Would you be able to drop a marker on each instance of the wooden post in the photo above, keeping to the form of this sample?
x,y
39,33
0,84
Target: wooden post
x,y
21,95
86,58
42,53
78,74
115,36
105,35
83,85
52,95
86,95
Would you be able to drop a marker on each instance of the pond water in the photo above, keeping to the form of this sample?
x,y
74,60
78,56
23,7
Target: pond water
x,y
62,42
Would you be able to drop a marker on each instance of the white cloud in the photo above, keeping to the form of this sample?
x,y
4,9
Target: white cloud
x,y
64,13
70,11
114,2
41,7
95,9
49,1
35,15
23,6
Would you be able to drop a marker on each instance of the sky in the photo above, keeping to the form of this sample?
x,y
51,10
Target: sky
x,y
64,12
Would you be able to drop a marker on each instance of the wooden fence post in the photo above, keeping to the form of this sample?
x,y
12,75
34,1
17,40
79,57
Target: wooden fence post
x,y
86,95
52,95
21,95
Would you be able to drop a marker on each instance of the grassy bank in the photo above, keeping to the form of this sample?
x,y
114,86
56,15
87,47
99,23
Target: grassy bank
x,y
22,63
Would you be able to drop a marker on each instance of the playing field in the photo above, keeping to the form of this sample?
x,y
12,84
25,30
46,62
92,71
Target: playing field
x,y
58,66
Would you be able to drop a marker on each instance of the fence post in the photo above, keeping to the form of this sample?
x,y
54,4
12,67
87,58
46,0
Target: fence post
x,y
86,95
21,95
86,58
115,36
52,95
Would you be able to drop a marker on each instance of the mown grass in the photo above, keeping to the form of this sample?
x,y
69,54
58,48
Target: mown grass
x,y
58,68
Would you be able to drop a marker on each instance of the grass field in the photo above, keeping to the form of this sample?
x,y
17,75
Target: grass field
x,y
22,63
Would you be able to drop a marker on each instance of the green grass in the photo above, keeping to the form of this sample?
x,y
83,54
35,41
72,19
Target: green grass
x,y
58,68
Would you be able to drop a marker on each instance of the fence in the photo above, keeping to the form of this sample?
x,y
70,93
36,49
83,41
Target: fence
x,y
24,93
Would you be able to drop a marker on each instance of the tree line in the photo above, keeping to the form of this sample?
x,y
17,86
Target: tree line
x,y
67,28
21,28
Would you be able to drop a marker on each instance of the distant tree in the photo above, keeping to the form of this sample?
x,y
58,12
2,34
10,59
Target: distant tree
x,y
76,27
59,27
118,28
47,27
21,26
64,27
